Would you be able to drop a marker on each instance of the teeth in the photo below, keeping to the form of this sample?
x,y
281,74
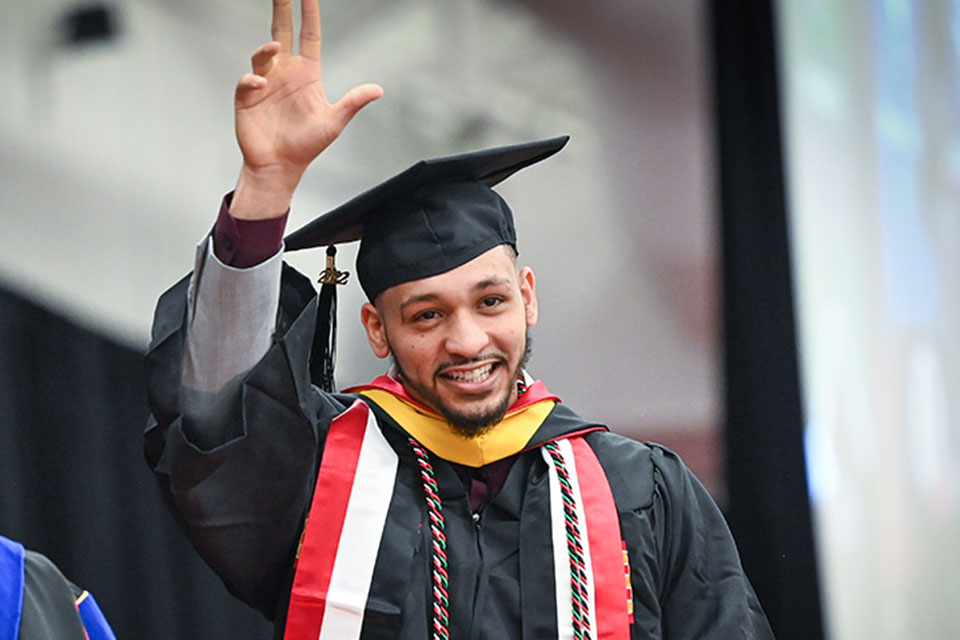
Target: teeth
x,y
474,375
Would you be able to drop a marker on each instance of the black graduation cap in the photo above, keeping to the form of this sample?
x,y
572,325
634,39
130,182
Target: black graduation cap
x,y
431,218
426,220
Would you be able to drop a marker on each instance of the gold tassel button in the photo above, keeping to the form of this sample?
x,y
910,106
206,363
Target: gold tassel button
x,y
330,275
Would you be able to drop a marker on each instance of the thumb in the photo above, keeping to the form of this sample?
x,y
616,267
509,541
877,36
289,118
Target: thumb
x,y
355,99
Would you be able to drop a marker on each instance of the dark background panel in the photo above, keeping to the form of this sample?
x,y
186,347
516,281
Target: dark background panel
x,y
768,506
76,487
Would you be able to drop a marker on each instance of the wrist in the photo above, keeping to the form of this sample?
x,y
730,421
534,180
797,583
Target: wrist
x,y
263,193
245,243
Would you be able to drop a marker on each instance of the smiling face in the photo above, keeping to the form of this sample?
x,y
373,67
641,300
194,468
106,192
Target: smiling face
x,y
459,338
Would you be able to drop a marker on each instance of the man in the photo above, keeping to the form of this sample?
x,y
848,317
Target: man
x,y
455,497
37,602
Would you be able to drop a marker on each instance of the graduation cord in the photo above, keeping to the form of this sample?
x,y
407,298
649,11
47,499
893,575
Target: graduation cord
x,y
431,494
579,594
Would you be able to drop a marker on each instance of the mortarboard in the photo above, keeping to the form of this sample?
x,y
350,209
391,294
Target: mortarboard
x,y
429,219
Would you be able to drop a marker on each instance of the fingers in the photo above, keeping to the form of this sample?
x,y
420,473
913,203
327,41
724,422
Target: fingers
x,y
262,59
248,88
310,29
282,27
356,99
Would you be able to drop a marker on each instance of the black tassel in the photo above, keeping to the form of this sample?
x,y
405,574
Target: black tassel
x,y
323,355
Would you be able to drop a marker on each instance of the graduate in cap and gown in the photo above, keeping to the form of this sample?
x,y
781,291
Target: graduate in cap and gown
x,y
454,497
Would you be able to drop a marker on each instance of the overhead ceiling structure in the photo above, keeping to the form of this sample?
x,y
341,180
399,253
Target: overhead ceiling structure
x,y
115,152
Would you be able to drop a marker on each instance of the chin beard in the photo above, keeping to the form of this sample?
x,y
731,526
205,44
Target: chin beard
x,y
472,426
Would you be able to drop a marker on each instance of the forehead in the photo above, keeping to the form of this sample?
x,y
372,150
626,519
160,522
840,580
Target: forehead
x,y
493,267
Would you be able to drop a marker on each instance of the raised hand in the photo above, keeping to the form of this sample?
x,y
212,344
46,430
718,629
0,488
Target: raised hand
x,y
283,117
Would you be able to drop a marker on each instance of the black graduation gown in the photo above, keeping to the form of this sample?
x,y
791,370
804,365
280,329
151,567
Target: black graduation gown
x,y
49,609
242,499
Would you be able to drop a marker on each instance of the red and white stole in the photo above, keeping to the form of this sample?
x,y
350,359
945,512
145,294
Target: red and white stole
x,y
350,502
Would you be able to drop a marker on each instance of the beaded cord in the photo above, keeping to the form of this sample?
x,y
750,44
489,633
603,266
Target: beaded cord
x,y
441,619
579,594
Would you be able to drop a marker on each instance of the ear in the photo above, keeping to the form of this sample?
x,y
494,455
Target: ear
x,y
376,332
528,291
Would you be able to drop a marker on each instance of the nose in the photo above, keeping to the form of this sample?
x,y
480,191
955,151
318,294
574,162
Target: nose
x,y
466,336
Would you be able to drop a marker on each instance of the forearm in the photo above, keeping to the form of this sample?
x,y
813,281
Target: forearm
x,y
230,322
231,317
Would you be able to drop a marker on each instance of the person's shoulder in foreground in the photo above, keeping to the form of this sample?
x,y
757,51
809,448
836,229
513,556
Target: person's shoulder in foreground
x,y
38,603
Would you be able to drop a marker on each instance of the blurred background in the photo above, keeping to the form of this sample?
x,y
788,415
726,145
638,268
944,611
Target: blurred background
x,y
872,136
743,253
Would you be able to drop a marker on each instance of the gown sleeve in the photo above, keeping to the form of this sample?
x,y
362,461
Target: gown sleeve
x,y
686,577
704,593
235,445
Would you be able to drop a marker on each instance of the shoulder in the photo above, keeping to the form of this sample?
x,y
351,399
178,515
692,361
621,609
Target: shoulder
x,y
618,455
39,570
49,601
637,471
627,454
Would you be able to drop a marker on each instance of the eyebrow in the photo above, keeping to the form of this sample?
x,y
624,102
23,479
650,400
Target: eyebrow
x,y
424,297
492,281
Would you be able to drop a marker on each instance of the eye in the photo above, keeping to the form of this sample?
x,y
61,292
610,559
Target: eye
x,y
425,316
491,301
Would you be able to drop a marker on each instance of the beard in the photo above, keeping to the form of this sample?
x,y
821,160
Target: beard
x,y
470,425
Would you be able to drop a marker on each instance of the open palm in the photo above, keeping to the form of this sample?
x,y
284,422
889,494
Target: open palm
x,y
283,117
